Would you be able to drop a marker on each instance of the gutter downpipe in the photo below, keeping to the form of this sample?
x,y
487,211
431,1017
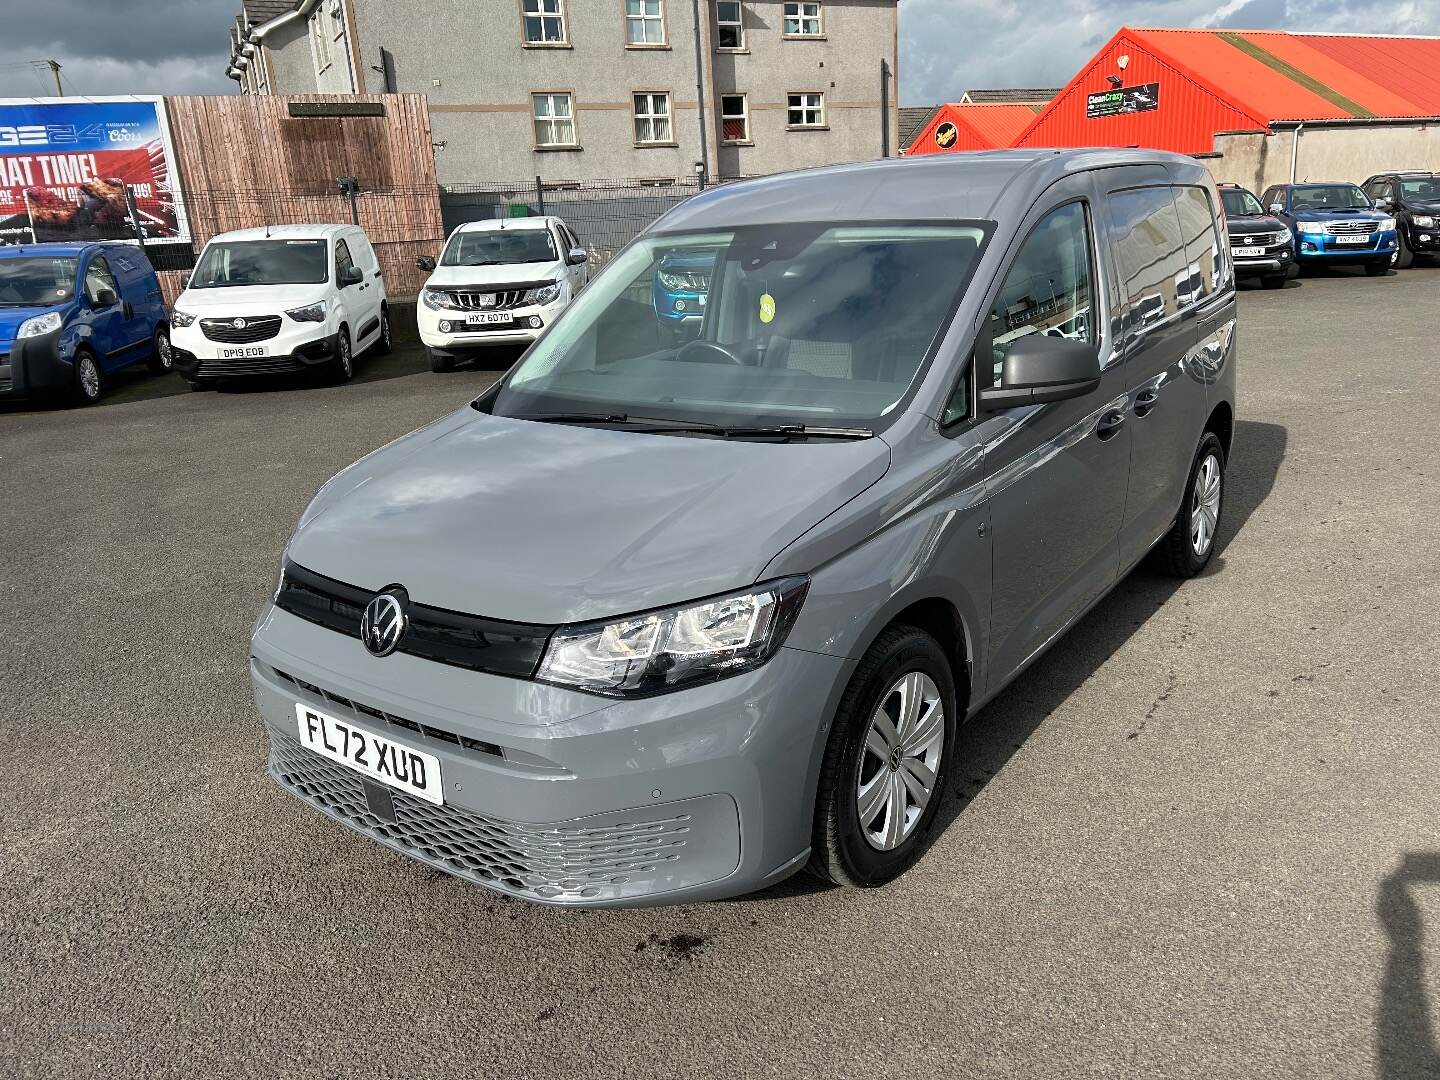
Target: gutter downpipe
x,y
1295,149
700,92
264,30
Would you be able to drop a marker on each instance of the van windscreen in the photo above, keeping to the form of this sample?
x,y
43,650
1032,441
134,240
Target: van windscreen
x,y
36,281
262,262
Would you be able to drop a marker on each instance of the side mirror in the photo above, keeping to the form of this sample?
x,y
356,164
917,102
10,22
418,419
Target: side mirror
x,y
577,257
1383,203
105,298
184,281
351,275
1039,368
1277,208
426,263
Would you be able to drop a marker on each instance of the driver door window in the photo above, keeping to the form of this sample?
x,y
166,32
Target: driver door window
x,y
99,277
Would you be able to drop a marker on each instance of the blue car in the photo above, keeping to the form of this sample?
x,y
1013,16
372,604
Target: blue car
x,y
682,285
1334,223
72,314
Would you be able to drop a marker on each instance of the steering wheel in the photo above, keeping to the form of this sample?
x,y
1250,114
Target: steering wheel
x,y
707,352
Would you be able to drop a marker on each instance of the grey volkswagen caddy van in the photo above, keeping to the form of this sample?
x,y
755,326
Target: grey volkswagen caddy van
x,y
677,609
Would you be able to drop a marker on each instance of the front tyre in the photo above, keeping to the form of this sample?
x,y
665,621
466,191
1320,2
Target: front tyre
x,y
342,367
439,361
1275,281
161,358
89,383
886,762
1188,546
384,343
1378,268
1404,255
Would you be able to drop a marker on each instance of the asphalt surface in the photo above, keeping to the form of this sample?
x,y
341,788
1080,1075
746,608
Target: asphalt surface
x,y
1201,838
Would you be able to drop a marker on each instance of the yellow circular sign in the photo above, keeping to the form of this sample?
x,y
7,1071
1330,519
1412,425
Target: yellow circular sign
x,y
767,308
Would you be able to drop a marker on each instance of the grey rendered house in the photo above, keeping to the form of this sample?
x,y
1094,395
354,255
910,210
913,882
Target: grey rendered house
x,y
593,89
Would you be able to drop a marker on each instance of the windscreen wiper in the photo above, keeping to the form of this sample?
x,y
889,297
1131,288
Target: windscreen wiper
x,y
760,431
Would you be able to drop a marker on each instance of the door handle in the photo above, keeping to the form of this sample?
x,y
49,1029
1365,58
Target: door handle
x,y
1145,401
1109,424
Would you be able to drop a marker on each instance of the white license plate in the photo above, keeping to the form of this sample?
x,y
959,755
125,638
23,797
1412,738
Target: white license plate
x,y
489,318
1246,252
248,350
1358,239
394,764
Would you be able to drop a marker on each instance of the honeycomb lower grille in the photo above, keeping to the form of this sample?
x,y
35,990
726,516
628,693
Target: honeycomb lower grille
x,y
587,859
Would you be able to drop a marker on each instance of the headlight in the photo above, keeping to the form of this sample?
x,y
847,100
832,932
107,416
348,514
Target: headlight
x,y
1310,227
309,313
674,282
40,324
181,319
543,295
1387,224
434,299
1425,221
665,650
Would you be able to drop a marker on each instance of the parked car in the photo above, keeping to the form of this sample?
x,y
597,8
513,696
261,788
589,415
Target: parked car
x,y
1413,198
681,286
279,299
1334,223
657,620
498,282
73,314
1261,245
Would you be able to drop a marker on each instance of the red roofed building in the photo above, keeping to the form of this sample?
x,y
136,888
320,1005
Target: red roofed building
x,y
964,126
1177,89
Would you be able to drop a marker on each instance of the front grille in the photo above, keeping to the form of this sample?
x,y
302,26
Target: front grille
x,y
255,365
585,859
448,637
439,734
256,328
466,300
1259,239
1351,226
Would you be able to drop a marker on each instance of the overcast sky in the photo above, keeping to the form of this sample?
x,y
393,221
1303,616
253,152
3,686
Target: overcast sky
x,y
179,46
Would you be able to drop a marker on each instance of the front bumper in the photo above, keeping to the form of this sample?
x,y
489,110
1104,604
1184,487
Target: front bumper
x,y
208,365
34,366
556,796
1323,247
1423,239
447,331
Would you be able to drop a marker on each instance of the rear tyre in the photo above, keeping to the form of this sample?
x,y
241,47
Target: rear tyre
x,y
1404,257
1275,281
439,362
161,358
89,383
1378,269
886,762
1188,546
384,343
342,368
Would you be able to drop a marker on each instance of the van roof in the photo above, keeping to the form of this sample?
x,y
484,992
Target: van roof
x,y
46,249
494,224
287,232
990,184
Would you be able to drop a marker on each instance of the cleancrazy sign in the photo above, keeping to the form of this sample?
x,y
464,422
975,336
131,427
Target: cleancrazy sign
x,y
1123,100
87,169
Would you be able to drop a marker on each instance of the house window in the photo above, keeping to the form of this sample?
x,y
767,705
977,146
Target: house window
x,y
644,22
734,118
652,119
320,42
802,20
554,120
730,27
544,22
807,110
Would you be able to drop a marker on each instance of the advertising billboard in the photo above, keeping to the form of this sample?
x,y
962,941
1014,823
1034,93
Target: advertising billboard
x,y
87,169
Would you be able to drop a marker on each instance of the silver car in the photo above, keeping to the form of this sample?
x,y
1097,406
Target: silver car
x,y
671,615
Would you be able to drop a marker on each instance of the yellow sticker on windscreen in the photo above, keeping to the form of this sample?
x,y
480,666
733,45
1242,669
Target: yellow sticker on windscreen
x,y
767,308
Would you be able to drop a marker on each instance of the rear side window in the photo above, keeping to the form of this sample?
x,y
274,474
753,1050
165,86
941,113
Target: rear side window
x,y
98,277
1204,267
343,261
1154,272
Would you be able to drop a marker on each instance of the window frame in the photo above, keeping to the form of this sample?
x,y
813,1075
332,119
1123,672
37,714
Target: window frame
x,y
562,13
738,22
536,118
663,19
968,381
636,116
338,264
824,122
744,116
320,42
801,18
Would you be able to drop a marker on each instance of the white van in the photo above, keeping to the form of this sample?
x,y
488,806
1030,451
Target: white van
x,y
280,299
498,281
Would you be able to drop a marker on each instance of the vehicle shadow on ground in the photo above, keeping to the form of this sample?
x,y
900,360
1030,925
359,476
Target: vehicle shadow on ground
x,y
988,742
1404,1033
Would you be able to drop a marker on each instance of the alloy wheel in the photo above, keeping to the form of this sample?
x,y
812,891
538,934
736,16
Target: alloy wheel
x,y
162,350
903,748
1205,505
89,378
347,363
